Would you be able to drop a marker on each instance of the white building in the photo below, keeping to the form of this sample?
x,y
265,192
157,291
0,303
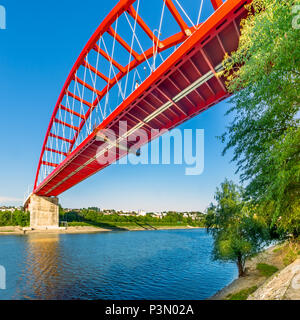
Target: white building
x,y
142,213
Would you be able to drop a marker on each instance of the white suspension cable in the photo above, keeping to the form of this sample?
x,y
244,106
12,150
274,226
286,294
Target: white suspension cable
x,y
159,33
138,74
134,75
185,13
93,81
110,66
138,42
131,47
63,130
115,75
200,12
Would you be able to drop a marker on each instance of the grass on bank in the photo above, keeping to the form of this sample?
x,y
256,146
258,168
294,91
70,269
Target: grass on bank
x,y
266,270
290,251
242,295
126,225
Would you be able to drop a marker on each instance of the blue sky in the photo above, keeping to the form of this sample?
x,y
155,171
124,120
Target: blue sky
x,y
37,51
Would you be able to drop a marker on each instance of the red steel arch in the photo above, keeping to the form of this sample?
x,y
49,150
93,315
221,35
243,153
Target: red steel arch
x,y
196,86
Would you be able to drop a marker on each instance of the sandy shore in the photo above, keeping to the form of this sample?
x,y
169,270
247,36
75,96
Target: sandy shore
x,y
25,231
73,230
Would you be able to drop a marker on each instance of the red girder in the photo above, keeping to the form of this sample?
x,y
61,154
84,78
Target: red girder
x,y
45,163
216,3
168,43
198,100
97,92
108,58
66,124
183,26
209,63
56,151
170,99
123,43
59,137
70,94
142,24
98,73
71,111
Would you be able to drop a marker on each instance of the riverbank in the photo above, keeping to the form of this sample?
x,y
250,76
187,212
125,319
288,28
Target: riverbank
x,y
265,273
12,230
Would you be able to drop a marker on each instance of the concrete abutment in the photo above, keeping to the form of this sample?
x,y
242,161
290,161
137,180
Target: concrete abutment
x,y
44,212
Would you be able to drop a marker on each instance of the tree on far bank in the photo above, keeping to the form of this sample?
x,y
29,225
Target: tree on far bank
x,y
264,75
237,231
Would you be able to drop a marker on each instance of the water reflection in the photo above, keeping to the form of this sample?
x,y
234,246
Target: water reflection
x,y
42,267
170,264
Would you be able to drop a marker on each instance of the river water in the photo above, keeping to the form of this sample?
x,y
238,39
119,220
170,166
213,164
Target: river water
x,y
165,264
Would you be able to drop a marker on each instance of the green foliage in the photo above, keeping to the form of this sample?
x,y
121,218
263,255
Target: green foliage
x,y
266,270
264,74
243,294
117,219
290,256
16,218
238,233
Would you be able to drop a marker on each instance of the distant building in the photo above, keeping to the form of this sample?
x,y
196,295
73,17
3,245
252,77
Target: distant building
x,y
142,213
8,209
157,215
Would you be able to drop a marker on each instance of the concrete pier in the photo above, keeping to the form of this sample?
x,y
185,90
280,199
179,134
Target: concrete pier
x,y
44,212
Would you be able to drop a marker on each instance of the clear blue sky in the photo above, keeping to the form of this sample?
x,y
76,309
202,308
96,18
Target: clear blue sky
x,y
37,51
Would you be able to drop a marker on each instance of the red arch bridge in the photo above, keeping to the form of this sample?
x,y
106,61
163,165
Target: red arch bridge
x,y
151,75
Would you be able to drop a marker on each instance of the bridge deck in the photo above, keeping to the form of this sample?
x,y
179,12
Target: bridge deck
x,y
185,85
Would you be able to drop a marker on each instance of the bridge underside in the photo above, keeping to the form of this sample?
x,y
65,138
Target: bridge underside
x,y
185,85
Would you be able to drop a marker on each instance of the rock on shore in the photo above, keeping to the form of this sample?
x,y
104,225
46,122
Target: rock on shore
x,y
284,285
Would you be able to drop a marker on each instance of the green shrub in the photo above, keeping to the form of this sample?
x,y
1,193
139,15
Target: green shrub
x,y
98,218
242,295
266,270
290,257
16,218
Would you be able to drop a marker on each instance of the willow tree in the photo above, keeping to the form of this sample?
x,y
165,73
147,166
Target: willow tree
x,y
264,75
237,231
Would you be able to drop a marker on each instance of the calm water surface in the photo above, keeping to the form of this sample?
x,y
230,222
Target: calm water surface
x,y
166,264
